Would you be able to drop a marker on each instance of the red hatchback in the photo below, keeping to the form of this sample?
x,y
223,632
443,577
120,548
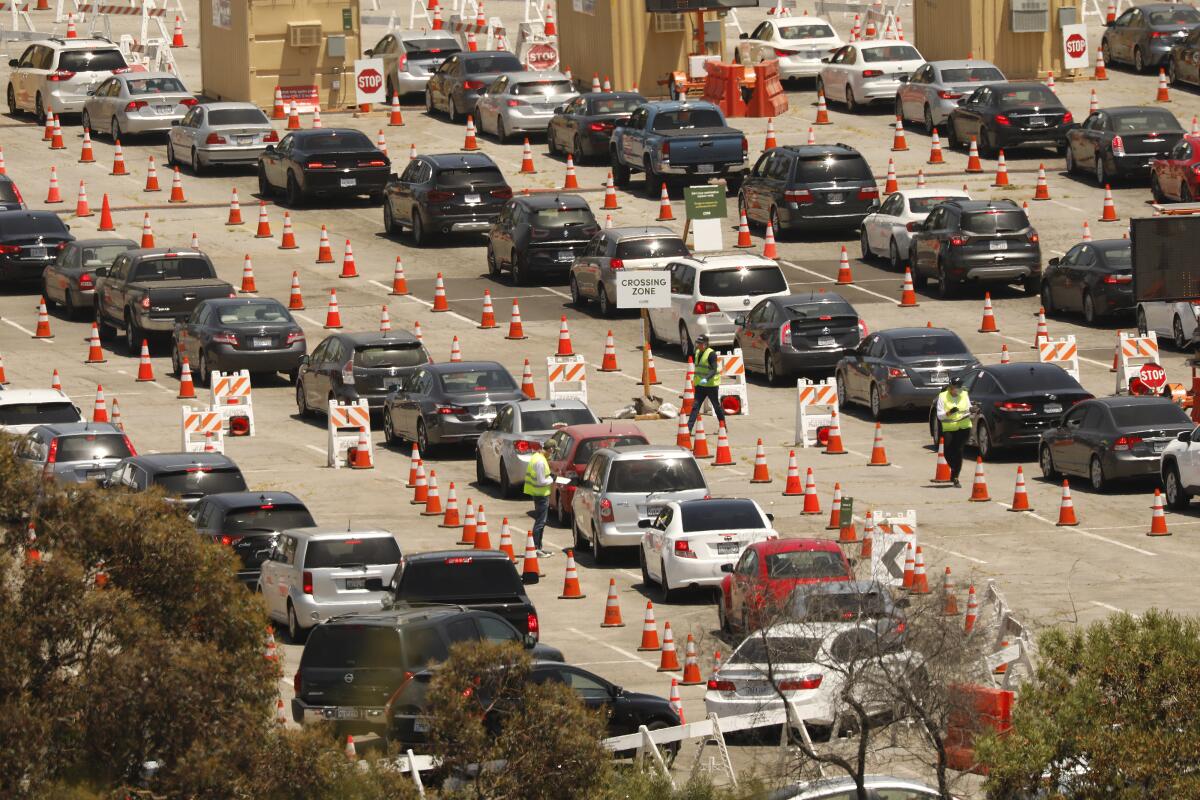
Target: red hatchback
x,y
760,582
1176,176
569,449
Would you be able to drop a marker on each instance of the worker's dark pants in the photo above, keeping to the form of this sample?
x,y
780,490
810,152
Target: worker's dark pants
x,y
711,394
541,508
954,442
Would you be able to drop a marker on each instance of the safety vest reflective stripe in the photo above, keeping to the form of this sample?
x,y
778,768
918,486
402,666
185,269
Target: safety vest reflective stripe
x,y
531,485
947,403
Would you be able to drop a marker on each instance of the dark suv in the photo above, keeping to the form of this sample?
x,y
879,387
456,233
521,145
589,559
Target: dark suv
x,y
29,242
249,523
453,193
356,366
806,187
354,663
976,241
540,233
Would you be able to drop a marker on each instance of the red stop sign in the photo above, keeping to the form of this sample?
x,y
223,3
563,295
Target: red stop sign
x,y
369,80
1076,45
1154,376
542,56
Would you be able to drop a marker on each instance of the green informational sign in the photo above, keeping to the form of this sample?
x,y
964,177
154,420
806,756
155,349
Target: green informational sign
x,y
705,202
846,517
347,19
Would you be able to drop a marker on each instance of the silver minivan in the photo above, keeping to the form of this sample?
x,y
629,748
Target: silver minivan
x,y
622,486
313,574
616,250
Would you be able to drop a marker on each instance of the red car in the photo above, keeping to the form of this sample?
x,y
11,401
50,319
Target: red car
x,y
1176,178
569,449
760,582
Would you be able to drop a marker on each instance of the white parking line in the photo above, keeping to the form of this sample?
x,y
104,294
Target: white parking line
x,y
1082,532
27,332
972,559
1114,609
633,658
827,279
554,291
425,303
1066,205
1029,344
307,319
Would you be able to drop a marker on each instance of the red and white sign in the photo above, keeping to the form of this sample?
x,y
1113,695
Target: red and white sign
x,y
307,97
541,56
369,85
1075,47
1153,376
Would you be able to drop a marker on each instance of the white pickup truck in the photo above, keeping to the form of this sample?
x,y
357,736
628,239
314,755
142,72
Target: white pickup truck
x,y
1176,321
1180,469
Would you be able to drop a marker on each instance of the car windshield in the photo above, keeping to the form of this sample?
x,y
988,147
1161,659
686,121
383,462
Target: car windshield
x,y
201,480
994,222
390,355
715,515
101,255
550,217
793,32
352,551
1176,16
776,650
155,85
892,52
971,74
545,419
8,192
932,345
477,381
661,247
685,118
818,309
458,577
1146,119
91,61
1038,378
614,105
833,167
38,413
431,48
837,606
584,452
465,178
1119,258
543,88
923,205
501,62
1026,96
18,223
351,646
1149,415
85,447
739,281
237,116
267,517
642,475
806,565
251,313
173,269
340,140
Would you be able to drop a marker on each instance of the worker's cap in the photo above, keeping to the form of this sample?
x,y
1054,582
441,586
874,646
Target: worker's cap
x,y
956,381
702,338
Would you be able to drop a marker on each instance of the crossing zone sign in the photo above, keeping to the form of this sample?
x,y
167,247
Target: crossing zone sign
x,y
890,541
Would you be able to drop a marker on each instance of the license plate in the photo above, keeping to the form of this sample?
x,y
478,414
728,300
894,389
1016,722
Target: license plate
x,y
940,378
347,182
653,511
826,341
755,689
834,197
248,139
164,110
487,416
706,168
728,548
566,255
260,341
420,725
1159,446
356,583
472,199
998,244
347,713
1052,408
1037,120
37,252
95,474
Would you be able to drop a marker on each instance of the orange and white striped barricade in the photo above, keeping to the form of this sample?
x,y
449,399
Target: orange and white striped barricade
x,y
1134,352
1062,352
344,421
733,381
201,426
894,532
815,403
231,396
566,378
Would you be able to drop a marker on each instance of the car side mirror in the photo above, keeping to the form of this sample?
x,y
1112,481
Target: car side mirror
x,y
770,517
269,148
643,523
739,320
1185,436
873,207
744,36
727,568
617,691
12,62
904,78
825,60
304,358
174,123
1054,261
370,51
394,177
559,109
101,272
91,92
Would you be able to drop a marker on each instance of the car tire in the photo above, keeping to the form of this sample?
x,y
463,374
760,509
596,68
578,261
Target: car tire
x,y
647,581
295,197
430,108
686,348
420,236
197,164
1046,462
664,585
930,125
39,112
12,102
172,162
1106,51
895,260
1177,496
85,121
952,140
492,264
389,429
851,103
264,185
552,144
920,279
203,369
1185,194
1177,337
296,634
769,373
1156,189
1141,321
776,225
1100,173
898,111
723,617
935,429
864,245
580,543
606,307
842,394
1139,60
620,172
389,220
945,290
1047,300
599,551
1096,475
114,129
577,298
1070,165
104,330
501,132
1032,285
506,487
133,337
653,186
453,110
577,150
1090,316
1172,75
423,439
983,442
877,409
520,270
176,363
987,148
481,477
72,309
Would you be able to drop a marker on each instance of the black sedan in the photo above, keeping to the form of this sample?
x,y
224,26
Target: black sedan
x,y
1183,65
185,477
441,194
323,162
1144,35
1094,277
798,333
248,523
1008,115
236,333
902,368
456,85
539,234
348,367
29,242
447,403
70,280
1121,142
1011,404
1112,438
584,126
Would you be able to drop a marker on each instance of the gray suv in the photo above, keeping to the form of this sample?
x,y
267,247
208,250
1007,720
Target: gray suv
x,y
75,452
618,250
57,74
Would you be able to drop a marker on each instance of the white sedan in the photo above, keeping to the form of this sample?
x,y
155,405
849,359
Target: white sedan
x,y
885,231
691,541
798,42
864,72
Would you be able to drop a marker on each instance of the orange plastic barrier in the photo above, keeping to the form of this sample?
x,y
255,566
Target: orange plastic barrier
x,y
974,709
768,98
723,88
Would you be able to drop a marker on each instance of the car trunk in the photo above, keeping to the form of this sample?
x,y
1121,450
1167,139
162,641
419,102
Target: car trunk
x,y
935,371
354,569
262,337
469,191
192,483
378,367
242,135
162,300
1035,411
696,146
824,332
352,665
1150,143
1148,429
723,544
158,105
478,583
1033,119
566,230
345,159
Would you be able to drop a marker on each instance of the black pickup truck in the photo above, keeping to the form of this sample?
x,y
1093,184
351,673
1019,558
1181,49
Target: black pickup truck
x,y
484,580
148,290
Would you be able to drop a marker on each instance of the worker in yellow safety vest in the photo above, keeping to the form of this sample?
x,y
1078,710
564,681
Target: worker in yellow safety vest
x,y
954,418
537,485
706,382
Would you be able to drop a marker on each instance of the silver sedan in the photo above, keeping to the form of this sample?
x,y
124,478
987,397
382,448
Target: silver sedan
x,y
220,133
137,102
933,91
519,429
410,57
522,102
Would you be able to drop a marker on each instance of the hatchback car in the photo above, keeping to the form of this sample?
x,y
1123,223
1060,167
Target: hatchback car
x,y
70,280
570,449
236,333
804,187
902,368
797,43
356,366
519,430
584,126
314,574
1121,143
323,162
755,590
1007,116
976,242
708,292
455,85
137,102
690,541
184,477
885,231
249,523
75,452
30,241
219,134
935,88
539,234
447,193
621,487
56,74
1095,278
22,410
613,251
1109,439
522,102
449,403
410,57
864,72
1144,35
1175,177
799,333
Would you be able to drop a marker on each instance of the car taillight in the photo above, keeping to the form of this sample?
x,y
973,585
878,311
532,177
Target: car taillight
x,y
17,194
1118,146
785,335
1003,120
1118,279
957,241
705,307
539,233
872,73
745,148
129,446
437,196
606,512
135,105
319,165
1068,118
146,302
514,103
1158,34
531,623
1126,442
797,684
226,539
225,338
522,446
683,549
449,410
373,163
798,196
912,226
216,138
308,582
720,686
1033,238
897,372
271,136
503,193
348,373
295,336
297,684
784,53
62,75
188,101
85,281
868,193
52,455
665,151
10,249
600,127
60,246
863,330
473,85
616,264
1196,168
946,94
1008,405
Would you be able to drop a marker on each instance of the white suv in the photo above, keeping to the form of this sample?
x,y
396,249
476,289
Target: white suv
x,y
708,292
1180,469
56,74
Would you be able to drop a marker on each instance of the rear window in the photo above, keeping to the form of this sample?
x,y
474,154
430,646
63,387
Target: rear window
x,y
91,60
473,381
614,105
894,52
971,74
740,281
817,310
1149,415
938,344
201,480
842,167
1027,96
237,116
1178,16
8,192
333,553
351,646
92,445
342,140
776,650
466,178
18,223
715,516
584,452
838,606
639,476
250,313
994,221
458,577
923,205
1048,378
155,86
37,413
543,88
1120,258
793,32
173,269
428,48
393,355
688,118
562,216
546,419
501,62
267,518
1146,119
102,255
806,565
665,247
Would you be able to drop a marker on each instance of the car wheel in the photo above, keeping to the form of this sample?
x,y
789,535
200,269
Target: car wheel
x,y
1177,497
133,337
454,115
843,395
723,616
1177,334
506,488
492,264
606,306
577,150
647,581
422,438
580,543
115,130
1156,189
1096,475
894,257
1107,51
171,160
1172,76
197,164
620,172
176,363
203,370
39,112
898,111
864,244
296,633
1101,174
952,140
945,290
12,101
653,187
520,270
769,373
987,147
935,429
1185,194
389,219
983,442
86,123
920,279
552,143
776,226
577,299
685,342
1046,462
930,127
1032,285
851,103
389,429
1089,309
295,198
429,107
1141,321
877,410
664,585
419,236
1047,301
501,131
105,331
480,474
599,552
1071,166
264,185
562,515
1139,61
821,88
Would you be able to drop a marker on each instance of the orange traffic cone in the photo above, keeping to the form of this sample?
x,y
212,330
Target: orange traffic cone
x,y
972,610
145,368
973,162
248,285
1109,212
187,387
571,589
564,338
770,141
762,474
515,329
527,167
610,195
743,237
835,509
609,361
769,248
844,276
421,487
527,387
470,528
700,443
669,660
675,701
399,282
316,120
351,753
1001,171
941,473
1042,331
439,295
295,298
177,195
455,351
506,542
949,600
1004,359
878,453
362,452
147,231
235,209
95,351
385,321
724,454
86,155
54,194
910,568
487,318
571,181
920,579
118,160
395,118
812,137
433,498
979,489
3,377
82,209
106,220
333,317
1158,519
989,317
264,223
792,486
899,143
1020,496
664,205
277,110
349,268
324,250
812,503
1093,103
1066,511
612,607
1087,232
1164,95
691,664
56,138
683,437
891,185
935,149
42,331
1042,192
99,409
908,295
649,630
177,36
867,548
151,177
55,381
920,179
822,110
689,390
1101,73
833,445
